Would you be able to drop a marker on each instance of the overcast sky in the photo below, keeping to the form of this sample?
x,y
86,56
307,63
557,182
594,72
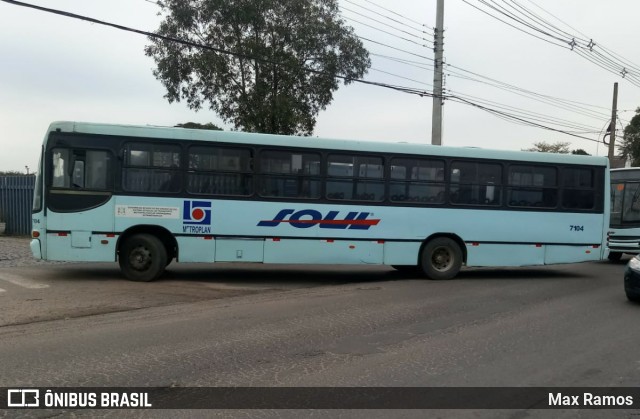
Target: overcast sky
x,y
57,68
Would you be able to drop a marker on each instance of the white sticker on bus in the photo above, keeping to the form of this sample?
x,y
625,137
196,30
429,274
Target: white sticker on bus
x,y
137,211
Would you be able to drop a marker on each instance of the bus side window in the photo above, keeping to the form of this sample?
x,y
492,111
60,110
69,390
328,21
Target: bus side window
x,y
78,174
152,167
578,188
474,183
532,186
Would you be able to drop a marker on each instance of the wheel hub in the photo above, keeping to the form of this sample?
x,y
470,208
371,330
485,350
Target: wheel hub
x,y
140,258
441,259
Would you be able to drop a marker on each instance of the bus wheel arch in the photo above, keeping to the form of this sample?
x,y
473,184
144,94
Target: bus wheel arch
x,y
145,251
441,256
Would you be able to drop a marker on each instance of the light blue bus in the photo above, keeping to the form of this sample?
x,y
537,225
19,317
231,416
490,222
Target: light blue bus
x,y
624,231
144,196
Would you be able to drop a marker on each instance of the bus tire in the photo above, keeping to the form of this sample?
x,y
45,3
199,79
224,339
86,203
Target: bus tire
x,y
614,256
142,257
441,258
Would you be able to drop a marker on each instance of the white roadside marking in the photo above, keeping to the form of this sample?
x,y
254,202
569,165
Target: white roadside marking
x,y
21,281
1,290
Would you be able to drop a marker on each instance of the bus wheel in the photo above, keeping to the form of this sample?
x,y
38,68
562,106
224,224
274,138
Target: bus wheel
x,y
143,257
614,256
441,258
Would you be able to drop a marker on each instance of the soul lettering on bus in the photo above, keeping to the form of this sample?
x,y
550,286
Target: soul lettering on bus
x,y
307,218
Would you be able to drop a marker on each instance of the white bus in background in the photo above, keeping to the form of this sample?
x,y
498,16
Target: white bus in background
x,y
144,196
624,231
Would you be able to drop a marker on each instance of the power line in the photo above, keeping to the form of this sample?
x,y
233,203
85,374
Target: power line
x,y
577,107
494,6
414,91
385,16
207,47
389,33
401,77
520,89
528,14
533,115
504,85
416,64
532,96
392,47
399,15
515,118
587,49
385,24
515,27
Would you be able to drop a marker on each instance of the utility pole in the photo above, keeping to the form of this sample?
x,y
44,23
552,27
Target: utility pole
x,y
612,127
438,98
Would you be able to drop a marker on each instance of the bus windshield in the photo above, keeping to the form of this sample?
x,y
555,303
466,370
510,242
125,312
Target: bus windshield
x,y
625,198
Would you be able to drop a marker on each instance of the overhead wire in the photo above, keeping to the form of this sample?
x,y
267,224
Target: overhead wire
x,y
514,117
515,27
416,64
534,115
394,48
575,106
207,47
389,33
411,63
410,90
401,77
399,15
421,37
584,47
496,7
536,18
556,104
558,19
385,16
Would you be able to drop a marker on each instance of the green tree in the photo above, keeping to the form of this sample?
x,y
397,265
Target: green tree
x,y
630,145
544,147
580,152
287,54
195,125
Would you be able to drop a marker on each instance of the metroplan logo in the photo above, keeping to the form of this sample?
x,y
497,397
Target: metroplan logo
x,y
196,217
307,218
196,212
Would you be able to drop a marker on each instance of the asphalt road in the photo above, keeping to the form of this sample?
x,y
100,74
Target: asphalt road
x,y
254,325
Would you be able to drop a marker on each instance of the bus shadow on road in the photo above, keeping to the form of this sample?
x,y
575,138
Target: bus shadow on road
x,y
281,274
235,274
538,273
307,275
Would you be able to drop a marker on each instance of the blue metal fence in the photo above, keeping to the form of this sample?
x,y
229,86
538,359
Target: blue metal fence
x,y
16,198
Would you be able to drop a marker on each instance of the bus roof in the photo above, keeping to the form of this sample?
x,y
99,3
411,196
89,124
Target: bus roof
x,y
172,133
625,169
